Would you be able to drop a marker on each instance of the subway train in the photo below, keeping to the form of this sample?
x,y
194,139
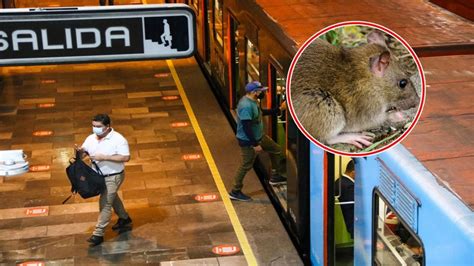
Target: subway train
x,y
413,204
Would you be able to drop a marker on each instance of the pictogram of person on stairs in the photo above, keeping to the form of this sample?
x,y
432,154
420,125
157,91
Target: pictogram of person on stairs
x,y
166,36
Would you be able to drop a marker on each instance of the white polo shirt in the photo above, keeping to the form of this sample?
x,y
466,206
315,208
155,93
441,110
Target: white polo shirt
x,y
113,143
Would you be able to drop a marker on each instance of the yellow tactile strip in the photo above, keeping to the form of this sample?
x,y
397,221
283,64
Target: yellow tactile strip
x,y
239,230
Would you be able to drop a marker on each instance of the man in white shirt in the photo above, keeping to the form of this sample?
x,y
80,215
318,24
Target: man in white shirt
x,y
109,149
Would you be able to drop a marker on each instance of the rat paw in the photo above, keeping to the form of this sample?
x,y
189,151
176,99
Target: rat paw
x,y
357,139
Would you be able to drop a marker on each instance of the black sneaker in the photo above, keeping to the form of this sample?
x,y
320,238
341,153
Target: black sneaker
x,y
95,240
277,179
238,195
122,223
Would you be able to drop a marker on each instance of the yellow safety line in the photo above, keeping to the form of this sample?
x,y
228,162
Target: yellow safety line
x,y
234,219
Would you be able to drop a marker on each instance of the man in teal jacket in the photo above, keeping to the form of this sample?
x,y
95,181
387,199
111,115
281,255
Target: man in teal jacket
x,y
252,140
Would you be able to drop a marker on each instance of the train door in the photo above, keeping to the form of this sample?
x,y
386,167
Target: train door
x,y
341,206
207,14
318,180
233,61
201,23
277,95
332,208
276,124
297,171
252,62
217,53
250,69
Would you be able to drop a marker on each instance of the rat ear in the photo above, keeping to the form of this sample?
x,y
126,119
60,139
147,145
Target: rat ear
x,y
378,64
377,38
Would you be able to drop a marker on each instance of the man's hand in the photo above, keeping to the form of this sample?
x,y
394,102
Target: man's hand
x,y
283,106
77,148
258,149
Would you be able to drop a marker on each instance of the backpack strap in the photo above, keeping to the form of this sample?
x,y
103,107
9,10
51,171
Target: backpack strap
x,y
95,164
97,167
73,194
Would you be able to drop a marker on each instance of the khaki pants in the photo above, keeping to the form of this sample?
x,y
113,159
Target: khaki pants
x,y
108,200
248,158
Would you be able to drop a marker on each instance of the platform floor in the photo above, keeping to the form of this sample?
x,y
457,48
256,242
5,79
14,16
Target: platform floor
x,y
168,169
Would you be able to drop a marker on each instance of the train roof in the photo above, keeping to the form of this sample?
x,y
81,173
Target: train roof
x,y
443,139
422,24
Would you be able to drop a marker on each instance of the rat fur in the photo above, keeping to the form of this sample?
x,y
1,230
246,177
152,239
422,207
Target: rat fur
x,y
339,92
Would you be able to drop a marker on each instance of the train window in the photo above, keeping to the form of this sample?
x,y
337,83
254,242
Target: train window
x,y
292,172
207,30
276,125
280,98
344,176
220,68
395,243
253,62
235,39
218,19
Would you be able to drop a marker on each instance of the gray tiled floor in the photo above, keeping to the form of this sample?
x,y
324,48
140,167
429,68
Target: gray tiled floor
x,y
170,226
159,188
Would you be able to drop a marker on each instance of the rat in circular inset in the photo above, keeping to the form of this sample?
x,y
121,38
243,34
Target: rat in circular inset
x,y
338,92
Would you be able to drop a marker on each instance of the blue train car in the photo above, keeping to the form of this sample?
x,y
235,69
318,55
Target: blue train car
x,y
393,190
396,184
413,204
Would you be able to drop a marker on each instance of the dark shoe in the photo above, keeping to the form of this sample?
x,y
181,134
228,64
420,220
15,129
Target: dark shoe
x,y
238,195
277,179
122,223
124,229
95,240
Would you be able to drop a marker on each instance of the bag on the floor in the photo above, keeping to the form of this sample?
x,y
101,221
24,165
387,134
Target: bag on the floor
x,y
84,180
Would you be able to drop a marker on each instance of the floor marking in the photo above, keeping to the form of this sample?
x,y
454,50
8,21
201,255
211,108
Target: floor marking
x,y
206,197
234,219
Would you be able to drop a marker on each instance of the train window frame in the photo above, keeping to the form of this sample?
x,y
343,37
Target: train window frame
x,y
377,194
256,69
235,62
218,5
274,70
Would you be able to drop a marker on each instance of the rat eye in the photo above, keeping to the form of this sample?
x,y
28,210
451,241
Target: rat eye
x,y
402,83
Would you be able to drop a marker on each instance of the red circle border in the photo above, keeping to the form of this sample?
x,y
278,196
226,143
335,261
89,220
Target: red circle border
x,y
355,23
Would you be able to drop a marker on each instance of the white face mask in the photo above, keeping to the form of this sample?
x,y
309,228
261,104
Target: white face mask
x,y
98,130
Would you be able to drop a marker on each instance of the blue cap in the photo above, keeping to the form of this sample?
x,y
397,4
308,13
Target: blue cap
x,y
255,86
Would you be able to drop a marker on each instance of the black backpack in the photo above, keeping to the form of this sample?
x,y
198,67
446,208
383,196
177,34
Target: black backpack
x,y
84,180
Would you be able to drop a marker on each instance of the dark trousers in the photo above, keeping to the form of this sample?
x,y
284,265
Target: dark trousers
x,y
248,158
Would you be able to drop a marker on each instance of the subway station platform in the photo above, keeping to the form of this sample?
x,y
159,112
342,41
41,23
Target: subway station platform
x,y
183,158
